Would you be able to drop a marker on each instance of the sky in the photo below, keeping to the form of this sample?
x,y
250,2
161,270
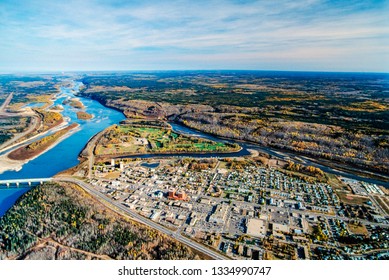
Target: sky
x,y
88,35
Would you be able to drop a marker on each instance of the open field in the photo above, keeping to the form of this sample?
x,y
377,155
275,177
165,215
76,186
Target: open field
x,y
348,198
357,229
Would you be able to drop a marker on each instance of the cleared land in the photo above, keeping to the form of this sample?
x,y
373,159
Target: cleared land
x,y
357,229
352,199
127,139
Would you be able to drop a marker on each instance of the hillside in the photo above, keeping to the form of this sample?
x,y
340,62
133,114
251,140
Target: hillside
x,y
55,221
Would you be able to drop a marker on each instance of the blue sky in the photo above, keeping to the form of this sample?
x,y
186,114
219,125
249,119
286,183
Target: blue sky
x,y
319,35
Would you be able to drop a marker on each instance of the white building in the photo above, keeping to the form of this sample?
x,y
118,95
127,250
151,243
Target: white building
x,y
256,227
220,214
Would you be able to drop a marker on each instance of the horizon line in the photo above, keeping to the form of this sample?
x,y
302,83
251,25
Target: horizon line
x,y
2,72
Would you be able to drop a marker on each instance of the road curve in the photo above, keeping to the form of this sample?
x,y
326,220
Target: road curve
x,y
117,206
32,127
5,103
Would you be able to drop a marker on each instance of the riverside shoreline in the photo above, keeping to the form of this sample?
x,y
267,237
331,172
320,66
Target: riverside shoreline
x,y
8,164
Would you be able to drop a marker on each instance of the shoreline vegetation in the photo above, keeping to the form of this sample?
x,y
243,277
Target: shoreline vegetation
x,y
74,102
81,115
38,147
135,139
336,164
311,119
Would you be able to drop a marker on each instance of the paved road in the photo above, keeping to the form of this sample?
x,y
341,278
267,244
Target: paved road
x,y
117,206
5,103
4,113
90,151
34,124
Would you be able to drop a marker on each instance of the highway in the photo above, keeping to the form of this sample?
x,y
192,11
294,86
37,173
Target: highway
x,y
5,114
34,125
117,207
90,151
5,103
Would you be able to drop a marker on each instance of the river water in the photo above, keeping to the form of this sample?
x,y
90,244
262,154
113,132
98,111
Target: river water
x,y
65,154
273,152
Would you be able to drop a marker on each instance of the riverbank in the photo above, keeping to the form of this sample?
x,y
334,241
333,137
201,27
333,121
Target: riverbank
x,y
7,164
60,126
63,154
38,147
16,164
331,166
130,140
183,153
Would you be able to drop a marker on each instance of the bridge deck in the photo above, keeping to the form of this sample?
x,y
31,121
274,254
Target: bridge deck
x,y
21,181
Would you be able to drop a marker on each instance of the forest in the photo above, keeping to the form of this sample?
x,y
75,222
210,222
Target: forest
x,y
24,87
336,116
61,221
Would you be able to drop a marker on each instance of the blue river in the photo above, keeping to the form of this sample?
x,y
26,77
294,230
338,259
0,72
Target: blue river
x,y
65,154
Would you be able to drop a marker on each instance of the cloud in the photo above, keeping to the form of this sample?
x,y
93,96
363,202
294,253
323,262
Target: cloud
x,y
224,34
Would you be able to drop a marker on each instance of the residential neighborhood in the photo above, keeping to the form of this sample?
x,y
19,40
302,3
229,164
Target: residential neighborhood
x,y
257,212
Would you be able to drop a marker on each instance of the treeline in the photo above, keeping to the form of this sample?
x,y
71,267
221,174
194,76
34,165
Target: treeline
x,y
318,140
311,170
49,118
67,215
235,164
259,106
199,164
321,99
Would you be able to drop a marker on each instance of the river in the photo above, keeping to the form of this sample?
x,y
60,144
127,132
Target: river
x,y
274,152
65,154
249,146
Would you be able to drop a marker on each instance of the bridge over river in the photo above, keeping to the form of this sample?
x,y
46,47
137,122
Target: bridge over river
x,y
18,182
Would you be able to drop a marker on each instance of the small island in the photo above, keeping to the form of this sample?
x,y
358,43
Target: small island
x,y
35,148
74,102
81,115
57,108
